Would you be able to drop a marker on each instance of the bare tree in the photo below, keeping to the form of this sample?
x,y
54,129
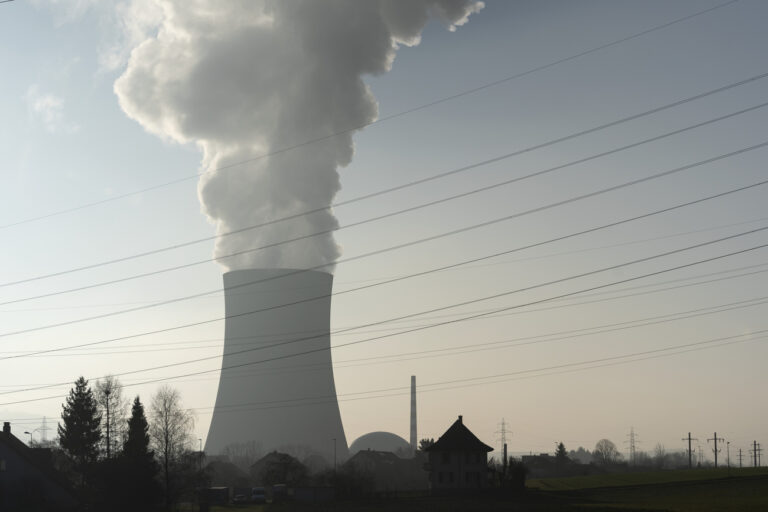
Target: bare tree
x,y
112,407
171,432
660,456
605,452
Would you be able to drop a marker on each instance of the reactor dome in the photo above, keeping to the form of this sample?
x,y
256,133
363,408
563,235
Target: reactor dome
x,y
380,442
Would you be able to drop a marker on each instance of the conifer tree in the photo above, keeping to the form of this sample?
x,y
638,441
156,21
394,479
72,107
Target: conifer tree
x,y
561,454
80,433
138,462
137,440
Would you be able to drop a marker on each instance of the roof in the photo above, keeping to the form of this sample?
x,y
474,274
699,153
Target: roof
x,y
39,459
458,438
374,456
379,441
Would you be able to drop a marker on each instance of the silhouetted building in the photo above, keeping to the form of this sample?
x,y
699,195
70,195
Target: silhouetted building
x,y
388,472
381,442
28,481
458,460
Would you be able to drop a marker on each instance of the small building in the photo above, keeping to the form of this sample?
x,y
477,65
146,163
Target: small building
x,y
28,481
388,472
458,460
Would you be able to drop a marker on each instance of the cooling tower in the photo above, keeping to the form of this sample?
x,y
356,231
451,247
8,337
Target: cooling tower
x,y
286,403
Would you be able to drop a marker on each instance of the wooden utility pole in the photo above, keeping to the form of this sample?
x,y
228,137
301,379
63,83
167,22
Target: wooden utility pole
x,y
715,439
689,439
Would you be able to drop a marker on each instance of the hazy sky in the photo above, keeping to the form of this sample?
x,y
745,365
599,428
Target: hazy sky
x,y
66,142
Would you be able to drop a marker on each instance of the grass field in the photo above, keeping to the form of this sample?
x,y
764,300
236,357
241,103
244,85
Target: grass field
x,y
640,478
674,491
707,490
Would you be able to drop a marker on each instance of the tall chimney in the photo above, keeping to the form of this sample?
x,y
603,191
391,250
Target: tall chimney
x,y
414,440
7,428
288,401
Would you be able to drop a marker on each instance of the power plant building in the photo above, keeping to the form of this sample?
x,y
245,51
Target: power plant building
x,y
266,394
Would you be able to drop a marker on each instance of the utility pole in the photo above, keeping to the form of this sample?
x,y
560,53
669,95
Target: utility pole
x,y
505,461
502,432
756,453
334,456
632,446
740,457
715,439
44,428
503,438
109,441
689,439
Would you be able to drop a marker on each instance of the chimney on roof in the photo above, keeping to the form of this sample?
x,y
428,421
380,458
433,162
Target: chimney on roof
x,y
461,420
7,428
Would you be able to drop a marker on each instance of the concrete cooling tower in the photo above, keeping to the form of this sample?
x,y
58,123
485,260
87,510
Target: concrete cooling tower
x,y
287,402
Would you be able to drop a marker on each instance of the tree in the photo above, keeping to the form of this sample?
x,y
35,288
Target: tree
x,y
112,406
659,456
580,456
171,434
80,433
425,443
137,461
605,452
136,444
561,454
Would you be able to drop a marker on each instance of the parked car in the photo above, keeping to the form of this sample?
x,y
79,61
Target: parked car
x,y
258,495
240,498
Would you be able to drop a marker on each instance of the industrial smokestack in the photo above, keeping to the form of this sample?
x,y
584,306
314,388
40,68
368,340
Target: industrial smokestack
x,y
269,404
414,440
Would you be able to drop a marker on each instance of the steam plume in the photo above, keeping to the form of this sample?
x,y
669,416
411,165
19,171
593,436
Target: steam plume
x,y
242,78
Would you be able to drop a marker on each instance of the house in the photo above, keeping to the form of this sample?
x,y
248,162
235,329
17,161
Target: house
x,y
458,460
28,480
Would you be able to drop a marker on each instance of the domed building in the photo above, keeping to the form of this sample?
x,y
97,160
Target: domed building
x,y
381,442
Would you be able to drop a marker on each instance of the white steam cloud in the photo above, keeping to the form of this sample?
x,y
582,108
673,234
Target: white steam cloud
x,y
243,78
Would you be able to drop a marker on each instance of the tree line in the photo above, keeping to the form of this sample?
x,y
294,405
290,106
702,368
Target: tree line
x,y
124,461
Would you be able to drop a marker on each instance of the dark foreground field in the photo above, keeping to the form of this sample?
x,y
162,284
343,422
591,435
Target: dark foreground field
x,y
679,491
672,491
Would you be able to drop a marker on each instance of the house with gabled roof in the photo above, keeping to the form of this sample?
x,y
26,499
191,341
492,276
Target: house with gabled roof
x,y
458,460
28,481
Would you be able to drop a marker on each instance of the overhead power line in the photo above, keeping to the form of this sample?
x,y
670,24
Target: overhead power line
x,y
99,351
408,244
506,377
366,221
380,120
452,172
495,345
470,381
193,324
443,308
520,374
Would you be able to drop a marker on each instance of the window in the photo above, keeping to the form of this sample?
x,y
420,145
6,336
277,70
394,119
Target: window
x,y
440,477
466,457
446,457
450,477
478,457
467,476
